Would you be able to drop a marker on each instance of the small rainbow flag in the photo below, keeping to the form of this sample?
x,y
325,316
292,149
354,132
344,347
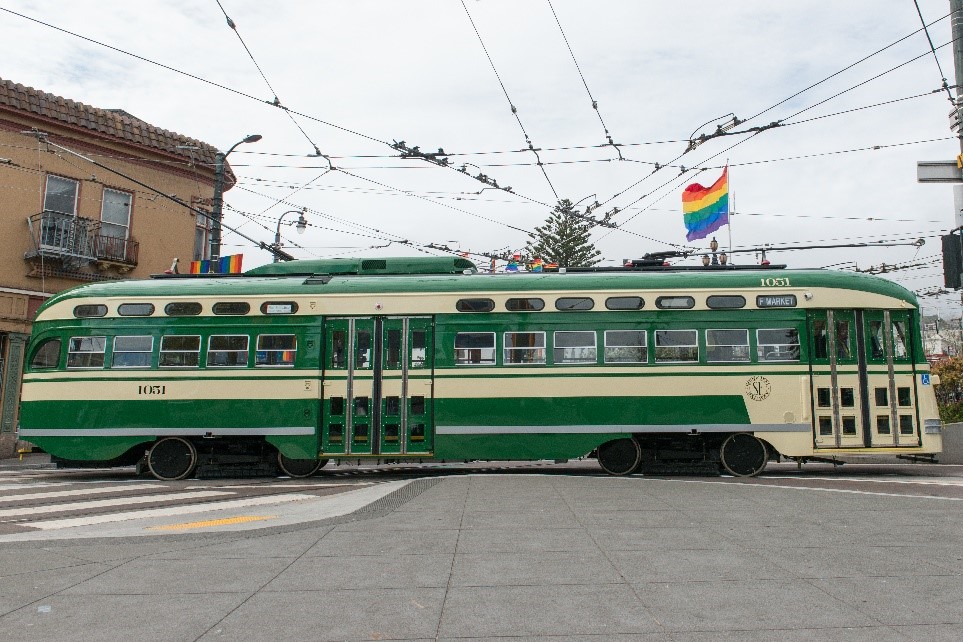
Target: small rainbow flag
x,y
706,209
224,265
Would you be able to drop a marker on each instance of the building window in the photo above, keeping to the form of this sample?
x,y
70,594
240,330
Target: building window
x,y
676,346
61,195
626,346
575,347
86,352
227,351
524,347
201,230
276,350
115,214
132,352
475,348
727,345
180,351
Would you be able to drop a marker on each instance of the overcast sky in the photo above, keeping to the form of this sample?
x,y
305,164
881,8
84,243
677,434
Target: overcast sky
x,y
358,75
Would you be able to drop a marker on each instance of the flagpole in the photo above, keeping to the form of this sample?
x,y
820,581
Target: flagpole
x,y
731,204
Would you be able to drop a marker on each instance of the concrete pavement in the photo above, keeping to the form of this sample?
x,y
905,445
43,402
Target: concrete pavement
x,y
519,557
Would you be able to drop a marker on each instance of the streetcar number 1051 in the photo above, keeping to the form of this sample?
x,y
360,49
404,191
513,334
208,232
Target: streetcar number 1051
x,y
152,390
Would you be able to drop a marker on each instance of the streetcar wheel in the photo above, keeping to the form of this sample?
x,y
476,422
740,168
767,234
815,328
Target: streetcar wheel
x,y
299,467
744,455
620,456
172,458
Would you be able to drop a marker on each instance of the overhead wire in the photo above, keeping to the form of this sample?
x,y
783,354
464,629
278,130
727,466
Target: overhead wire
x,y
935,57
514,109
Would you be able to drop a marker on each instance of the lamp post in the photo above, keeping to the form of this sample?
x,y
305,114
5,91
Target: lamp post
x,y
714,245
218,202
299,226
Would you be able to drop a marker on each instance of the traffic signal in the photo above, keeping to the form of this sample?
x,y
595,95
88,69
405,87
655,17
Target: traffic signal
x,y
952,261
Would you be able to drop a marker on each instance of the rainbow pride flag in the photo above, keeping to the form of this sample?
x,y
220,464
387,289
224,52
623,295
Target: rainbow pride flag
x,y
706,209
225,265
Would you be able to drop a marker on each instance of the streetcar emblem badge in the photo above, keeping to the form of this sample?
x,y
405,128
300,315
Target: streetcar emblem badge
x,y
758,388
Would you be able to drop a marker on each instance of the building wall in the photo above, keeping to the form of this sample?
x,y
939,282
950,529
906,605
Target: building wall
x,y
164,230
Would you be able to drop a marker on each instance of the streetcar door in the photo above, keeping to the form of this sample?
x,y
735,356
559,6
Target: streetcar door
x,y
377,386
406,386
891,379
838,360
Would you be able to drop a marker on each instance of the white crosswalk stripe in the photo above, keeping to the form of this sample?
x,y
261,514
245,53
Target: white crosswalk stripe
x,y
104,503
73,493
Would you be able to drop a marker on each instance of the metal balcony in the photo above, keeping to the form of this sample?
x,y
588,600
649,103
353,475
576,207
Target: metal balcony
x,y
76,241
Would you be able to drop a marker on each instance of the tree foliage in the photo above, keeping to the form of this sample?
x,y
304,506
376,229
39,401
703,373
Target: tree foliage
x,y
564,238
949,394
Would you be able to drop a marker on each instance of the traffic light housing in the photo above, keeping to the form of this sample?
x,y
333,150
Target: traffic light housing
x,y
952,261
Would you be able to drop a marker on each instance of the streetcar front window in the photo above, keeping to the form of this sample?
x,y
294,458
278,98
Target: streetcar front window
x,y
276,350
474,348
525,347
676,346
132,352
86,352
47,356
900,349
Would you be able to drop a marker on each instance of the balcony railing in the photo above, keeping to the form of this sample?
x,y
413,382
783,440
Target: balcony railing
x,y
77,241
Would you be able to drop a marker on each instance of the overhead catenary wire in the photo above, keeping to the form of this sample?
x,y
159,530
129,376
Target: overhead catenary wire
x,y
936,59
518,119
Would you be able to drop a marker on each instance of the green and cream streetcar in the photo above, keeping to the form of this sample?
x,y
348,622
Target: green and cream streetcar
x,y
408,359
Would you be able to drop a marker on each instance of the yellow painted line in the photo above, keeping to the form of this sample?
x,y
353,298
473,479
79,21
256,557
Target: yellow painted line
x,y
240,519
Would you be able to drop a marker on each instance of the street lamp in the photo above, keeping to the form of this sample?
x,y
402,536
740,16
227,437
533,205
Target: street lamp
x,y
714,245
299,226
218,203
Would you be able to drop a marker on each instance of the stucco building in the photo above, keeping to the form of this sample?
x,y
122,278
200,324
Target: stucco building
x,y
65,221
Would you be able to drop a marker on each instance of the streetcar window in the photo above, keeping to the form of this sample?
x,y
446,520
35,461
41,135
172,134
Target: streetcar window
x,y
337,405
86,352
906,424
675,303
900,350
180,351
47,355
820,339
843,349
393,349
824,397
391,432
525,347
626,346
279,307
182,309
88,311
362,349
574,303
847,397
418,405
575,347
475,305
338,350
676,345
227,351
132,352
882,396
276,350
393,405
524,305
135,309
777,344
232,307
472,348
825,426
903,397
419,348
882,424
726,302
727,345
849,425
624,303
877,340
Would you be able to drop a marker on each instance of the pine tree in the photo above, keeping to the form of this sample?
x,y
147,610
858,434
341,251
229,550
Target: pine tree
x,y
564,239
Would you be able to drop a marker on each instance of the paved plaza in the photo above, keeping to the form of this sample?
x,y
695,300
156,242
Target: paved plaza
x,y
505,557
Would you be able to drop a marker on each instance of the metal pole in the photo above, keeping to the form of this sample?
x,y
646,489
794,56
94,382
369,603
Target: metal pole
x,y
217,205
956,32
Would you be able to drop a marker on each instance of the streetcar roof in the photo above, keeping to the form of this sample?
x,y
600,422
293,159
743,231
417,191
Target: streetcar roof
x,y
728,280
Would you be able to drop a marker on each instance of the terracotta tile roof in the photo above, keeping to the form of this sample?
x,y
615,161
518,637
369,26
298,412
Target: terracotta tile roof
x,y
115,123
